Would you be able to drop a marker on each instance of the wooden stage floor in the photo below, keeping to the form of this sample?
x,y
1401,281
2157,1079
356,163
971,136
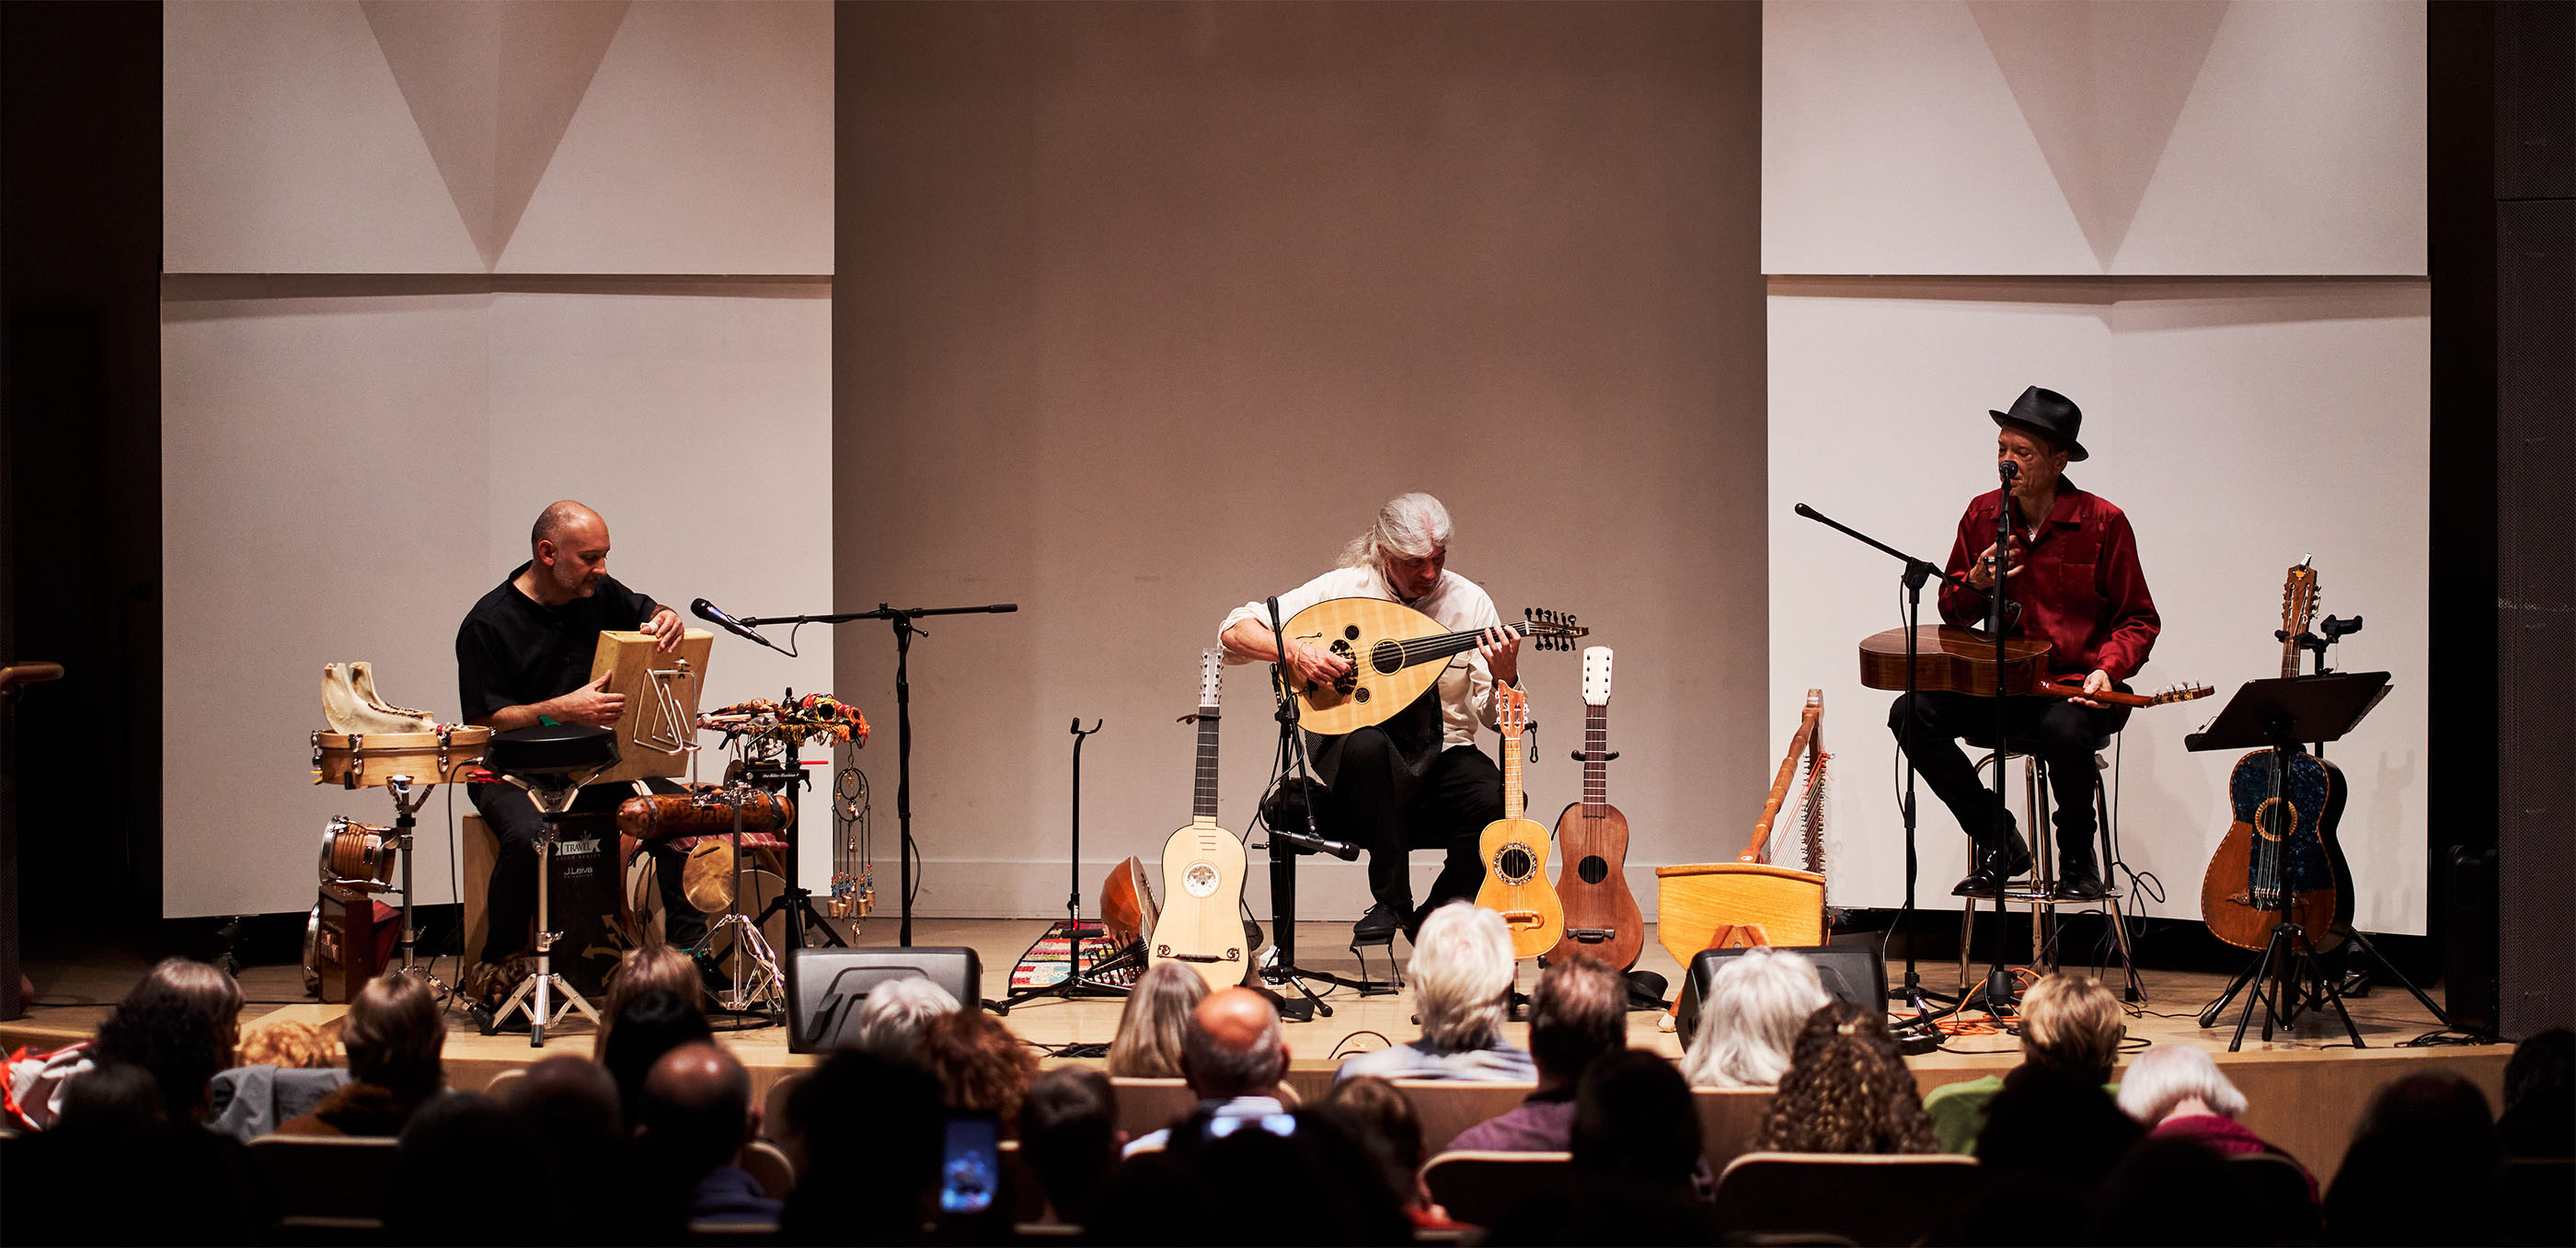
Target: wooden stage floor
x,y
2308,1087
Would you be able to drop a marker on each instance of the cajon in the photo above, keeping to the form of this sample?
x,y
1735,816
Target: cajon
x,y
659,725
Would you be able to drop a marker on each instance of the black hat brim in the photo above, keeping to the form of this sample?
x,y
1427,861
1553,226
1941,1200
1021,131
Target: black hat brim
x,y
2074,450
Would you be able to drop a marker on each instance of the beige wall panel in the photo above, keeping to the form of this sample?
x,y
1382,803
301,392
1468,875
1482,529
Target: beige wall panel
x,y
287,148
2240,427
1892,144
703,145
323,484
1142,310
2301,149
699,423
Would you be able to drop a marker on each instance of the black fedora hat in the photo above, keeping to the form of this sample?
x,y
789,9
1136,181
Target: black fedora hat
x,y
2050,415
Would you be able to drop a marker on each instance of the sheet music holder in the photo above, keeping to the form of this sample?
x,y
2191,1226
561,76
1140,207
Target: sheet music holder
x,y
2287,710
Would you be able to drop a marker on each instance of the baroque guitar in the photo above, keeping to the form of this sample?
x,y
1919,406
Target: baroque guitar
x,y
1602,922
1203,867
1514,849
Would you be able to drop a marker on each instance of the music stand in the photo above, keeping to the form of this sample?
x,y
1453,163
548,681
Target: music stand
x,y
2278,715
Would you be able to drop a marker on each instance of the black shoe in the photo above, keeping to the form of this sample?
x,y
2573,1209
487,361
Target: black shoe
x,y
2079,883
1994,869
1381,923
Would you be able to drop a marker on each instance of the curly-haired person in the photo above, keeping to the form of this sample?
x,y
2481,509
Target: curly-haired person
x,y
1846,1091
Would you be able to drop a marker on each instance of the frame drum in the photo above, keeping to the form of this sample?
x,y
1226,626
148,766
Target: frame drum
x,y
371,760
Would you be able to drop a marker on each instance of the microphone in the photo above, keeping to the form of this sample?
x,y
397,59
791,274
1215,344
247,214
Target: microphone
x,y
714,614
2010,470
1807,511
1343,850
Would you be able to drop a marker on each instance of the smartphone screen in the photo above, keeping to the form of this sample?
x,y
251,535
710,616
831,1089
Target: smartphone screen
x,y
970,1164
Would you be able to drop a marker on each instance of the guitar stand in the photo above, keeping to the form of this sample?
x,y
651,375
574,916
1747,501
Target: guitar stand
x,y
1077,982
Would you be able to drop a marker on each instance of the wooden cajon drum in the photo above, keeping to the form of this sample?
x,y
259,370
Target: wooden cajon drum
x,y
659,723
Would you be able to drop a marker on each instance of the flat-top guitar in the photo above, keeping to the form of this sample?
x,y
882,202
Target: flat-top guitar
x,y
1515,850
1200,926
2280,859
1391,648
1602,923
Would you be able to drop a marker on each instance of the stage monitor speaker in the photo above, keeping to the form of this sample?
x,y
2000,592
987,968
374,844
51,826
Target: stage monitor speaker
x,y
826,986
1856,973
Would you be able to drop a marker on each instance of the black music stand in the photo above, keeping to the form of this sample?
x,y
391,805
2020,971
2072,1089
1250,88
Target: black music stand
x,y
2277,715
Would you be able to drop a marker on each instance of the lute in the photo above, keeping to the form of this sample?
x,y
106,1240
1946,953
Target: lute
x,y
1515,850
1200,926
1391,649
1602,922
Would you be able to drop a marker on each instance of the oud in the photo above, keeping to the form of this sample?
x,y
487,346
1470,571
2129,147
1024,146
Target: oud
x,y
1203,866
1391,649
1515,850
1602,922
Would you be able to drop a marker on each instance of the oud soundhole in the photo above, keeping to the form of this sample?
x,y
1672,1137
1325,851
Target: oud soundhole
x,y
1514,864
1593,869
1350,632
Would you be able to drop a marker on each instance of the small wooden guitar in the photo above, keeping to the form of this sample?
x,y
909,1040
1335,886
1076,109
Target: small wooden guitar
x,y
1391,648
1515,850
1602,922
1201,926
2282,842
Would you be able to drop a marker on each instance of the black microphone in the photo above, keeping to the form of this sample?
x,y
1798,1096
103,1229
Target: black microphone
x,y
1343,850
714,614
2010,470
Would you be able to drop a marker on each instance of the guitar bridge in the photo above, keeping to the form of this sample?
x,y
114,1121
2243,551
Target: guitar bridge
x,y
1523,918
1592,935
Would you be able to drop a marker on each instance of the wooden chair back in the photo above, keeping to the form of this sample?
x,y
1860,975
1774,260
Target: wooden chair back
x,y
1864,1198
1486,1189
328,1180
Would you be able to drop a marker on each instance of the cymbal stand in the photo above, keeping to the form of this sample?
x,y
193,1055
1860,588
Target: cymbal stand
x,y
409,797
769,988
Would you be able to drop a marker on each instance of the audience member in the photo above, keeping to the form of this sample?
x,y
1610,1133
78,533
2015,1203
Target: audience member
x,y
569,1106
2539,1118
394,1036
1381,1118
456,1147
1233,1054
2175,1090
1636,1146
1462,982
78,1183
1069,1138
1760,999
691,1122
1578,1012
2168,1190
181,1024
1148,1044
981,1067
2056,1123
2424,1133
644,969
893,1015
646,1026
868,1134
2069,1024
1847,1090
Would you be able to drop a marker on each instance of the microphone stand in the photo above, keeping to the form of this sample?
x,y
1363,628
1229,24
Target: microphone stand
x,y
1286,843
901,618
1911,992
1998,992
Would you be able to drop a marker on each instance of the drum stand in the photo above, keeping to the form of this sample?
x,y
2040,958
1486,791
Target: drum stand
x,y
769,989
552,803
407,802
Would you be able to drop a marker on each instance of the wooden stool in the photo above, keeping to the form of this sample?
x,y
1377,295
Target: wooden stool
x,y
2043,907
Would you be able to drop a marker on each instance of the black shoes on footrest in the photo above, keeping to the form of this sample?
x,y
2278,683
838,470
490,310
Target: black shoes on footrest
x,y
1994,868
1381,923
2079,881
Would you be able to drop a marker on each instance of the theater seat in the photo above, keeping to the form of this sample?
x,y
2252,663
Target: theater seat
x,y
1487,1188
2287,1212
1863,1198
334,1182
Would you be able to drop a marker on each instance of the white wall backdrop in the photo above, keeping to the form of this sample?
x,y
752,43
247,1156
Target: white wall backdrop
x,y
2240,429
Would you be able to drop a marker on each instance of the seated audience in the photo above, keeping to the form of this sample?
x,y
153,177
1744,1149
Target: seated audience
x,y
569,1106
1069,1138
893,1015
1578,1012
2424,1133
1233,1054
1148,1044
692,1120
2539,1118
1380,1117
394,1035
2175,1090
1847,1090
868,1134
2056,1124
1636,1145
650,967
181,1023
456,1147
1760,999
2069,1024
2168,1190
117,1169
646,1026
1462,982
981,1067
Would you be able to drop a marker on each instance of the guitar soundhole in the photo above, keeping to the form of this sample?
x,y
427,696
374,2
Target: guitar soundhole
x,y
1593,869
1199,880
1514,864
2275,818
1386,657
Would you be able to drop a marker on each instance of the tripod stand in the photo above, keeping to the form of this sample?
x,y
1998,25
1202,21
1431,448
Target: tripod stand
x,y
1078,981
794,900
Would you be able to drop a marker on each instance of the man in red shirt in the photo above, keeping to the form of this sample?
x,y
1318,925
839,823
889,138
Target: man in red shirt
x,y
2071,571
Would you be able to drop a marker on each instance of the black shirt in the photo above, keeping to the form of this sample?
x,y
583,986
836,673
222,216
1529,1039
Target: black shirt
x,y
513,651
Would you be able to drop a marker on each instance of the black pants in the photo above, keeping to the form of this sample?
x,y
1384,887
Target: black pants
x,y
1385,809
1928,727
510,901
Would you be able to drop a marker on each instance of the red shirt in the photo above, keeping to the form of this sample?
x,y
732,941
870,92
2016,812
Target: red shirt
x,y
2080,589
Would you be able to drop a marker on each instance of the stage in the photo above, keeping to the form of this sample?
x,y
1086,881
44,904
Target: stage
x,y
2306,1090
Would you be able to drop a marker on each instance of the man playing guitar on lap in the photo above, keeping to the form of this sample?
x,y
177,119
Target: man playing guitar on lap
x,y
1416,781
2071,570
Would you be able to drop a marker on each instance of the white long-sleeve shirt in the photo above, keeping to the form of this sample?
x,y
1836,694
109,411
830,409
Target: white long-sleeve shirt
x,y
1466,686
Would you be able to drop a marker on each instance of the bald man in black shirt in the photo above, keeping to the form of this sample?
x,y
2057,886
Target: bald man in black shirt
x,y
523,658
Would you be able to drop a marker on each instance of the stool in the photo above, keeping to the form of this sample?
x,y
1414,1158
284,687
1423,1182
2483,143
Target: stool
x,y
2040,828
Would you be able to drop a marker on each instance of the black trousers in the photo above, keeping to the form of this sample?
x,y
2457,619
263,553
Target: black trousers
x,y
1385,809
1928,727
510,901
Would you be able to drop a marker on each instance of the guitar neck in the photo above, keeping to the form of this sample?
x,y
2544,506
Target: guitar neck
x,y
1203,796
1514,802
1596,761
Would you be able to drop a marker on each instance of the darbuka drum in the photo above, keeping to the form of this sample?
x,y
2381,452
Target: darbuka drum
x,y
371,760
359,855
